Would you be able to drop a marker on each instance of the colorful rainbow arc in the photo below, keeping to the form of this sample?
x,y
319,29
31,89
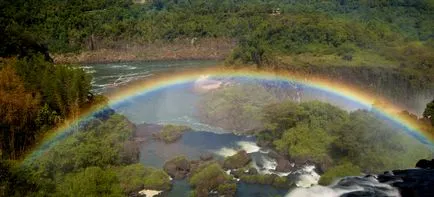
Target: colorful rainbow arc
x,y
165,81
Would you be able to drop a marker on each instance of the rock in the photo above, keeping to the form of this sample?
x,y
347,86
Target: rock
x,y
263,143
411,182
425,164
273,154
206,157
252,171
238,160
415,182
171,133
178,167
283,165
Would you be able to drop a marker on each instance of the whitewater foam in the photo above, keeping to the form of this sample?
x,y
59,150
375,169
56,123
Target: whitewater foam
x,y
124,66
364,186
308,177
249,147
226,152
319,191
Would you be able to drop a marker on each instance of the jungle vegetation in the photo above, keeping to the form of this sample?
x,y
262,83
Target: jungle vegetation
x,y
397,33
35,96
340,142
98,160
389,37
392,40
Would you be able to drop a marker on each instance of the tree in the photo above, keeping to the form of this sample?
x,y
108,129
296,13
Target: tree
x,y
429,112
18,109
305,141
92,181
207,178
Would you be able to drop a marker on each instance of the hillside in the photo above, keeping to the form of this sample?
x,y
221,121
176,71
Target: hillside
x,y
396,33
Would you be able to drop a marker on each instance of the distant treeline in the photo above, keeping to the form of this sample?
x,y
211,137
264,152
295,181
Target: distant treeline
x,y
399,32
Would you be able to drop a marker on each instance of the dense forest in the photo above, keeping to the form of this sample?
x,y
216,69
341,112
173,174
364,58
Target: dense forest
x,y
35,96
393,41
336,38
385,33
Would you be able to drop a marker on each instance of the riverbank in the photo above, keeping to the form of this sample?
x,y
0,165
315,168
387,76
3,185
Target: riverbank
x,y
181,49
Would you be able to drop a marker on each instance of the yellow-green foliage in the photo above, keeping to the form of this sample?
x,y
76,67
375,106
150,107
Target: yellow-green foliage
x,y
171,133
227,189
327,135
341,170
238,160
92,182
305,142
157,180
99,145
135,177
209,177
87,153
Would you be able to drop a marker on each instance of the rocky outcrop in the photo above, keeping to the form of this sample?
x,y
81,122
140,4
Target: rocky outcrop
x,y
238,160
166,133
417,182
171,133
425,164
178,167
283,165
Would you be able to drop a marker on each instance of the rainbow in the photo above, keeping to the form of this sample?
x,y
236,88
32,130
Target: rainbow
x,y
167,80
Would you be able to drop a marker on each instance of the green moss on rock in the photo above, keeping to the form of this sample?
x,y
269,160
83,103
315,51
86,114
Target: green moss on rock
x,y
178,167
171,133
238,160
211,177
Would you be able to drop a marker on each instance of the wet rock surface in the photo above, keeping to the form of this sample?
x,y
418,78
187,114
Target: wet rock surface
x,y
178,167
283,165
411,182
425,164
417,182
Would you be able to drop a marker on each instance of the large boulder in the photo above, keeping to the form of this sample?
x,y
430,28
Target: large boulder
x,y
238,160
412,182
283,165
178,167
425,164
